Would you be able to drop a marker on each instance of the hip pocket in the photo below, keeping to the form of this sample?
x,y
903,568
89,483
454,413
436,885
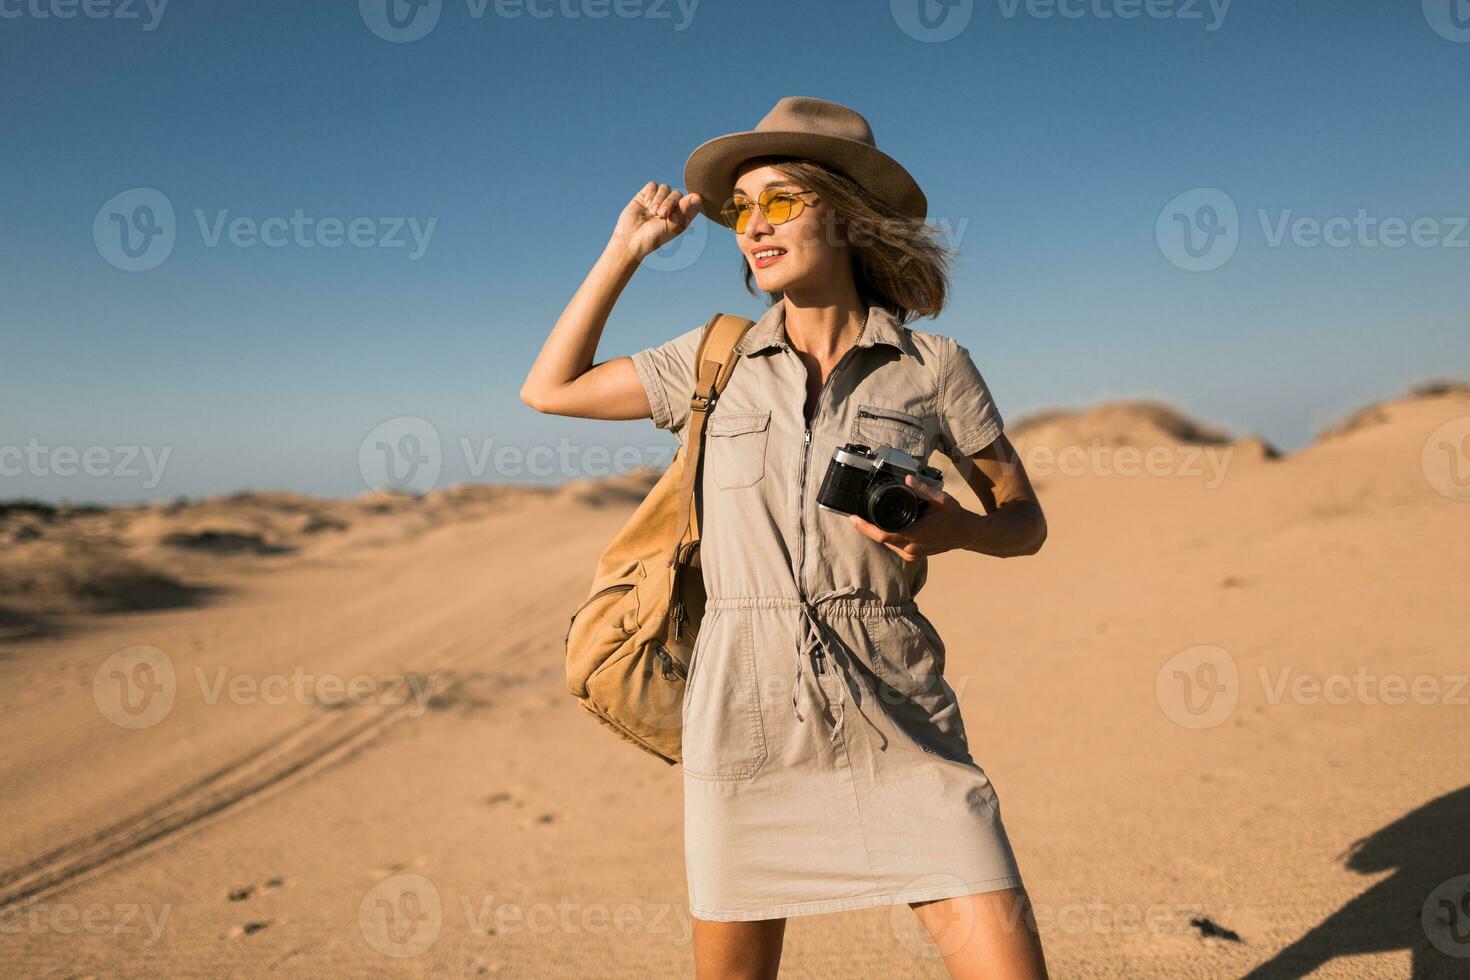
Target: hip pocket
x,y
724,737
908,657
736,450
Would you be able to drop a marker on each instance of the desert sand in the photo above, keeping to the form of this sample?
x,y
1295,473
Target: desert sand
x,y
1225,709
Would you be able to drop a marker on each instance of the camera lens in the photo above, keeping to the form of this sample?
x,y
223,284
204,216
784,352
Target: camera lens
x,y
893,506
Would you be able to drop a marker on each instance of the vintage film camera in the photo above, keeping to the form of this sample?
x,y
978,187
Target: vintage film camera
x,y
870,483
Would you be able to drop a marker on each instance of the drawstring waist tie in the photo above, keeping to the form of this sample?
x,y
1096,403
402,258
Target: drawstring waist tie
x,y
813,643
813,640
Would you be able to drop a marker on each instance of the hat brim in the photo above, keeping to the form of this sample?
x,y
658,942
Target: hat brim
x,y
710,169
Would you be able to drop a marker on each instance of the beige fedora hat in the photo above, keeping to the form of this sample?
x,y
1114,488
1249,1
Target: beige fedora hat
x,y
814,129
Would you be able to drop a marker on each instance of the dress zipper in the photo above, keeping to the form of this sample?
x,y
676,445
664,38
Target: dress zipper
x,y
806,445
819,657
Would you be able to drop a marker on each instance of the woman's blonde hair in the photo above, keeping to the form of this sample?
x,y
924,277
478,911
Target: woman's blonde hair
x,y
898,262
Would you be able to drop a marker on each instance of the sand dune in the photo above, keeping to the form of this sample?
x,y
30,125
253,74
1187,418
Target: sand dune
x,y
1186,702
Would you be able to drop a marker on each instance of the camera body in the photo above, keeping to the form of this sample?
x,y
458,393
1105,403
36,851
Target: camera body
x,y
870,483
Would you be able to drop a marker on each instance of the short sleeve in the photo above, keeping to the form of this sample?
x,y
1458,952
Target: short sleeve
x,y
968,418
667,373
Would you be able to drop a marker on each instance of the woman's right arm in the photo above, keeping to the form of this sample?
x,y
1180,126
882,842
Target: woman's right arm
x,y
564,380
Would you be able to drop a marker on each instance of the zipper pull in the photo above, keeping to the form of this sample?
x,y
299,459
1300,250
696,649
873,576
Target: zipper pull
x,y
808,437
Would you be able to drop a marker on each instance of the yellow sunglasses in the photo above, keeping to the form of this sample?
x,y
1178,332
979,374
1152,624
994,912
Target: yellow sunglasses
x,y
779,206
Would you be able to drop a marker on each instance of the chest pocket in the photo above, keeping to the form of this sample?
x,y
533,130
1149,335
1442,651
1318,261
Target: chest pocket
x,y
877,425
736,450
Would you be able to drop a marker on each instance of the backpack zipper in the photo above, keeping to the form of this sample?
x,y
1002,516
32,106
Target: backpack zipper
x,y
680,563
571,620
671,667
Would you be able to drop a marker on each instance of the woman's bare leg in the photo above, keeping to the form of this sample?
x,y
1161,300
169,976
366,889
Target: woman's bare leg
x,y
737,950
991,935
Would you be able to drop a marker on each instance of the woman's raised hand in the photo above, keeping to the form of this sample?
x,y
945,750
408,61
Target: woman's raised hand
x,y
656,216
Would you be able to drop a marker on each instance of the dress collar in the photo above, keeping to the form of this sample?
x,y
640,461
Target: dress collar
x,y
770,331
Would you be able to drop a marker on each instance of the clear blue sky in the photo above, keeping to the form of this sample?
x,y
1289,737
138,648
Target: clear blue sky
x,y
1049,144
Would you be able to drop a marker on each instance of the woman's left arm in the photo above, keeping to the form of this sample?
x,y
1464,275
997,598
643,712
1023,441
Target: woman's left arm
x,y
1012,525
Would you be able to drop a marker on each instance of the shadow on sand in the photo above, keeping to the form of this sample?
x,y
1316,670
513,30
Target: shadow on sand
x,y
1423,906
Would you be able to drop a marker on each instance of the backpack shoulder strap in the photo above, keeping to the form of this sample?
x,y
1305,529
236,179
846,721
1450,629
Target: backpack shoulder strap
x,y
714,361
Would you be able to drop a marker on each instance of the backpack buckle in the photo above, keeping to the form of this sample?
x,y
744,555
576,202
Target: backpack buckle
x,y
702,403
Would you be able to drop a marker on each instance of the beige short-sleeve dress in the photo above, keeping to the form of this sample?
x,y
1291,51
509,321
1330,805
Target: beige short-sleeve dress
x,y
826,765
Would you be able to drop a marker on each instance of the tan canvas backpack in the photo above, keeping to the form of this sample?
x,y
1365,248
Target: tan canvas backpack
x,y
630,642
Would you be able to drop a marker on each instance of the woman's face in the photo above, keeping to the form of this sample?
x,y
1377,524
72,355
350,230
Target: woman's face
x,y
805,254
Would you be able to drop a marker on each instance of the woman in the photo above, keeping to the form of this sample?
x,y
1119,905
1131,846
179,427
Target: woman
x,y
826,765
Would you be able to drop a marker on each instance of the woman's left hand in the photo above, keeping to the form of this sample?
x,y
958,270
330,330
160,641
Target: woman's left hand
x,y
940,528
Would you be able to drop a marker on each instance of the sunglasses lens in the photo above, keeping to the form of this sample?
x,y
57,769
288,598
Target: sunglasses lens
x,y
737,215
781,208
